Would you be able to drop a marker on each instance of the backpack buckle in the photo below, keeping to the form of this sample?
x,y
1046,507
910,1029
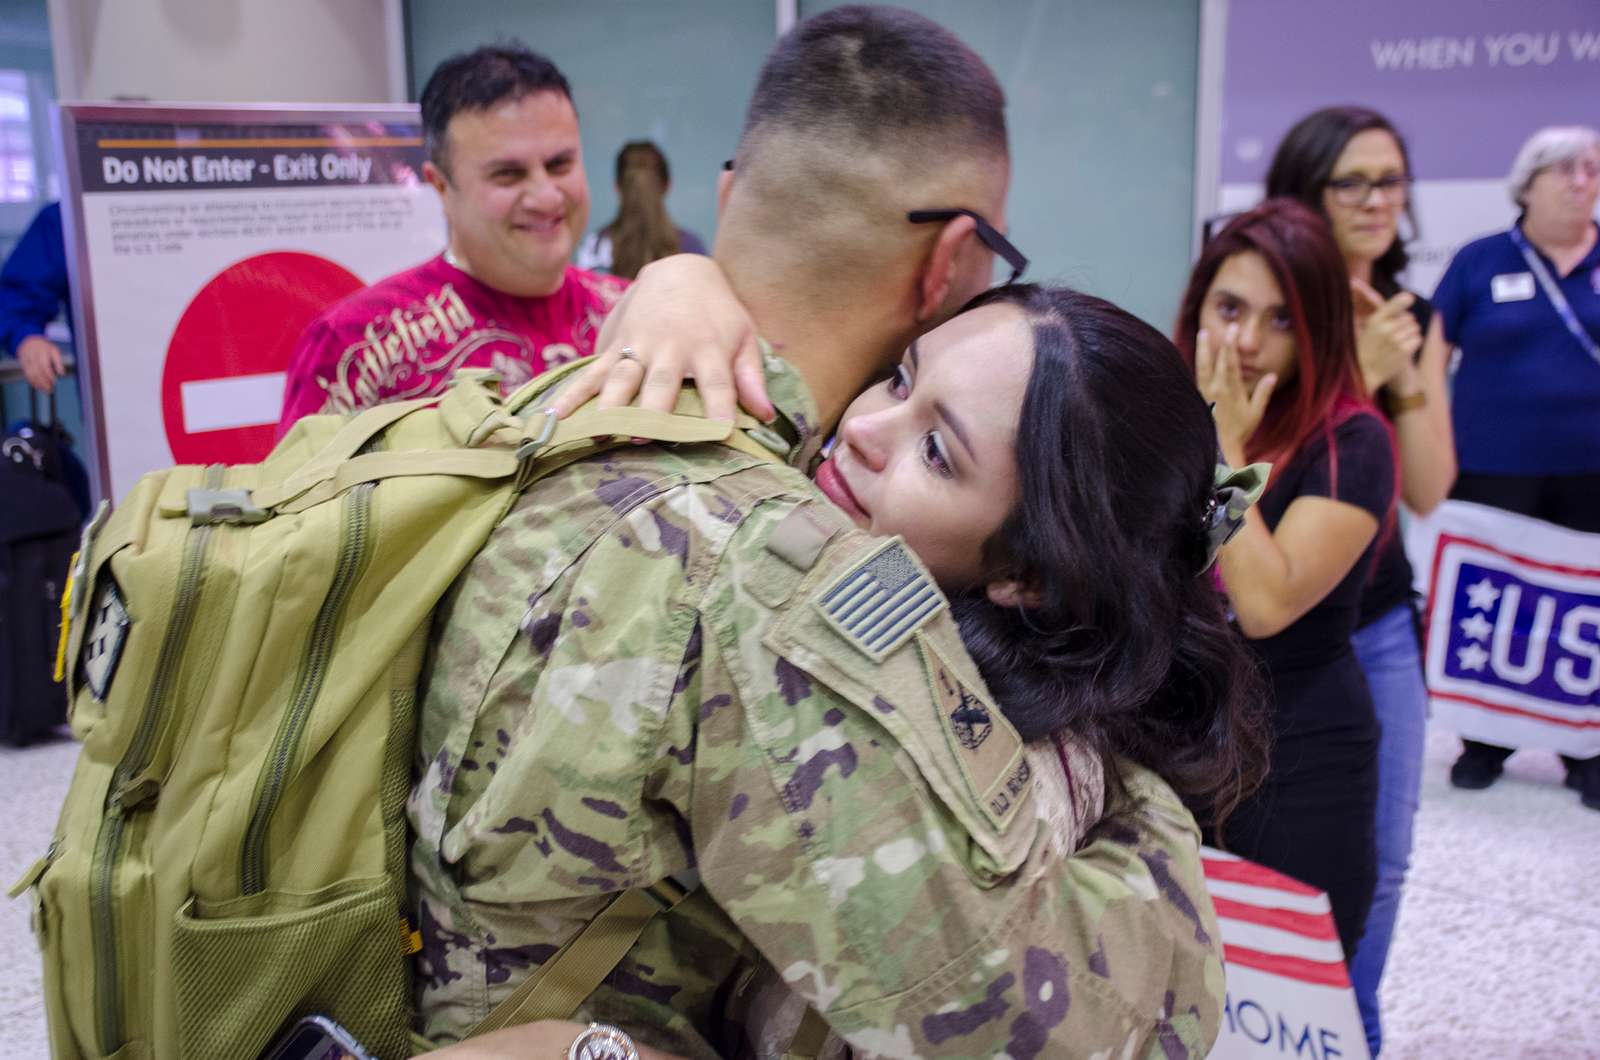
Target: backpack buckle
x,y
531,446
771,439
224,506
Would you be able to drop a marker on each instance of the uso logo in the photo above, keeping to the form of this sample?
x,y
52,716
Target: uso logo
x,y
1516,637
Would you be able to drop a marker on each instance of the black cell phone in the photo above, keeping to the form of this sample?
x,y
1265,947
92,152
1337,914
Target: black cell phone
x,y
317,1038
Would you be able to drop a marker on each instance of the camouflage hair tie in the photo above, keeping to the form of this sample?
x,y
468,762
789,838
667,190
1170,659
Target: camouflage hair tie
x,y
1232,494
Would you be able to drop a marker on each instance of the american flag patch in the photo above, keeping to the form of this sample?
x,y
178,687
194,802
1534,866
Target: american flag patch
x,y
879,603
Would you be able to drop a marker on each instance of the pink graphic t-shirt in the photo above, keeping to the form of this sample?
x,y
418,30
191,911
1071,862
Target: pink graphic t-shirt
x,y
403,337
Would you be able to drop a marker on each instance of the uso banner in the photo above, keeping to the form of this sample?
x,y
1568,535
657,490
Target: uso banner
x,y
1513,627
1288,994
1465,82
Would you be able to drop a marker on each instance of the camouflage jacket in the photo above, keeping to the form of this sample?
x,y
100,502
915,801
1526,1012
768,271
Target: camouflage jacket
x,y
673,658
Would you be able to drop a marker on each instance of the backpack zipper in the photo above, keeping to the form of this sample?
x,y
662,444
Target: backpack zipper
x,y
355,539
123,799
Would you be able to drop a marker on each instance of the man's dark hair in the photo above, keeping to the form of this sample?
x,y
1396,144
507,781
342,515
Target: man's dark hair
x,y
877,71
477,80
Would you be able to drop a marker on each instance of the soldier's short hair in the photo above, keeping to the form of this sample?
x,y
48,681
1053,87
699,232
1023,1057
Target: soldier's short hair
x,y
860,115
477,80
878,72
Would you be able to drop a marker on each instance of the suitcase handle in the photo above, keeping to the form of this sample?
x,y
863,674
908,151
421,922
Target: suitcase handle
x,y
49,403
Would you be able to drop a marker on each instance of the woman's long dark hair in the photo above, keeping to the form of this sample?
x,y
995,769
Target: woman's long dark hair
x,y
1129,646
642,231
1303,165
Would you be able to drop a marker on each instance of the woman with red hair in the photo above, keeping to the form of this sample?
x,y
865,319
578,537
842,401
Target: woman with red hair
x,y
1267,324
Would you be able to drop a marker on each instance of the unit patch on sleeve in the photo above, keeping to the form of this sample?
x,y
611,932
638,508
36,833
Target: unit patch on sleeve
x,y
989,749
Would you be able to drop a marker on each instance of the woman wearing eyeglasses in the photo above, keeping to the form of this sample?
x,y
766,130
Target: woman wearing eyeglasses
x,y
1350,165
1523,307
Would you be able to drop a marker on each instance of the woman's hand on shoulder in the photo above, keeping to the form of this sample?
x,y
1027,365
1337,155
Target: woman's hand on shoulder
x,y
1237,408
679,320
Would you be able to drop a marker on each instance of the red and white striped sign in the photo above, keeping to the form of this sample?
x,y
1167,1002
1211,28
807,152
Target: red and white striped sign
x,y
1288,991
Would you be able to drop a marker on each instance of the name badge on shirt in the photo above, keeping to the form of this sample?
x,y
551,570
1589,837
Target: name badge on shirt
x,y
1594,279
1512,287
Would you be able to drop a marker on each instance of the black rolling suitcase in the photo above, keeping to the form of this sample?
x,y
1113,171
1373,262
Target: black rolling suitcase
x,y
39,522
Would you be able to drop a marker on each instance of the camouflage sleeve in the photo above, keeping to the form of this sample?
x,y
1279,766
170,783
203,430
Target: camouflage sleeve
x,y
869,821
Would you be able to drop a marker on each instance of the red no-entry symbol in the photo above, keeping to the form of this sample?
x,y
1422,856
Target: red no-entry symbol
x,y
222,385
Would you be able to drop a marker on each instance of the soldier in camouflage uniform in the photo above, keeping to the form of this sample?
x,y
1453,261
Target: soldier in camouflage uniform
x,y
674,660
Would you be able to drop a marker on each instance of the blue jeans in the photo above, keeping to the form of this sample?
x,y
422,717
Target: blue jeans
x,y
1389,655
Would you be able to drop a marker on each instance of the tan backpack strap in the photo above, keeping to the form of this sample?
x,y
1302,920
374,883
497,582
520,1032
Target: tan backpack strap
x,y
375,467
686,424
365,426
629,422
538,438
809,1037
747,437
301,492
542,387
562,983
349,440
742,441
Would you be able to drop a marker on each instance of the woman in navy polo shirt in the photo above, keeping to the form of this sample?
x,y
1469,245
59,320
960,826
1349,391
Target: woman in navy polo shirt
x,y
1523,307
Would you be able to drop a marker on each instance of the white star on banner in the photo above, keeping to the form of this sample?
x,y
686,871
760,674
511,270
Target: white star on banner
x,y
1476,627
1472,657
1482,596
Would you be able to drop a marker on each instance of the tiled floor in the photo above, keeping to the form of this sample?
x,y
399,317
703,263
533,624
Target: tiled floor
x,y
32,783
1497,954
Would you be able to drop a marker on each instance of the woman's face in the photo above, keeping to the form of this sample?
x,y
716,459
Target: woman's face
x,y
1365,225
1246,294
930,453
1565,193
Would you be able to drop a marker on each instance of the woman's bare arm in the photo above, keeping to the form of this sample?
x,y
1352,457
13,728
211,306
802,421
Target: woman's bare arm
x,y
1425,435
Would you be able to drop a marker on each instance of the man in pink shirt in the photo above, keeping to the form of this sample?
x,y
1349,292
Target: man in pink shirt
x,y
505,156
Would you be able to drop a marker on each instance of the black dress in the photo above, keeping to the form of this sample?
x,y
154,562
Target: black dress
x,y
1313,819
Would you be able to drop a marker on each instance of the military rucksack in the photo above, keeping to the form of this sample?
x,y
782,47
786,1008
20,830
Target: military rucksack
x,y
242,657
